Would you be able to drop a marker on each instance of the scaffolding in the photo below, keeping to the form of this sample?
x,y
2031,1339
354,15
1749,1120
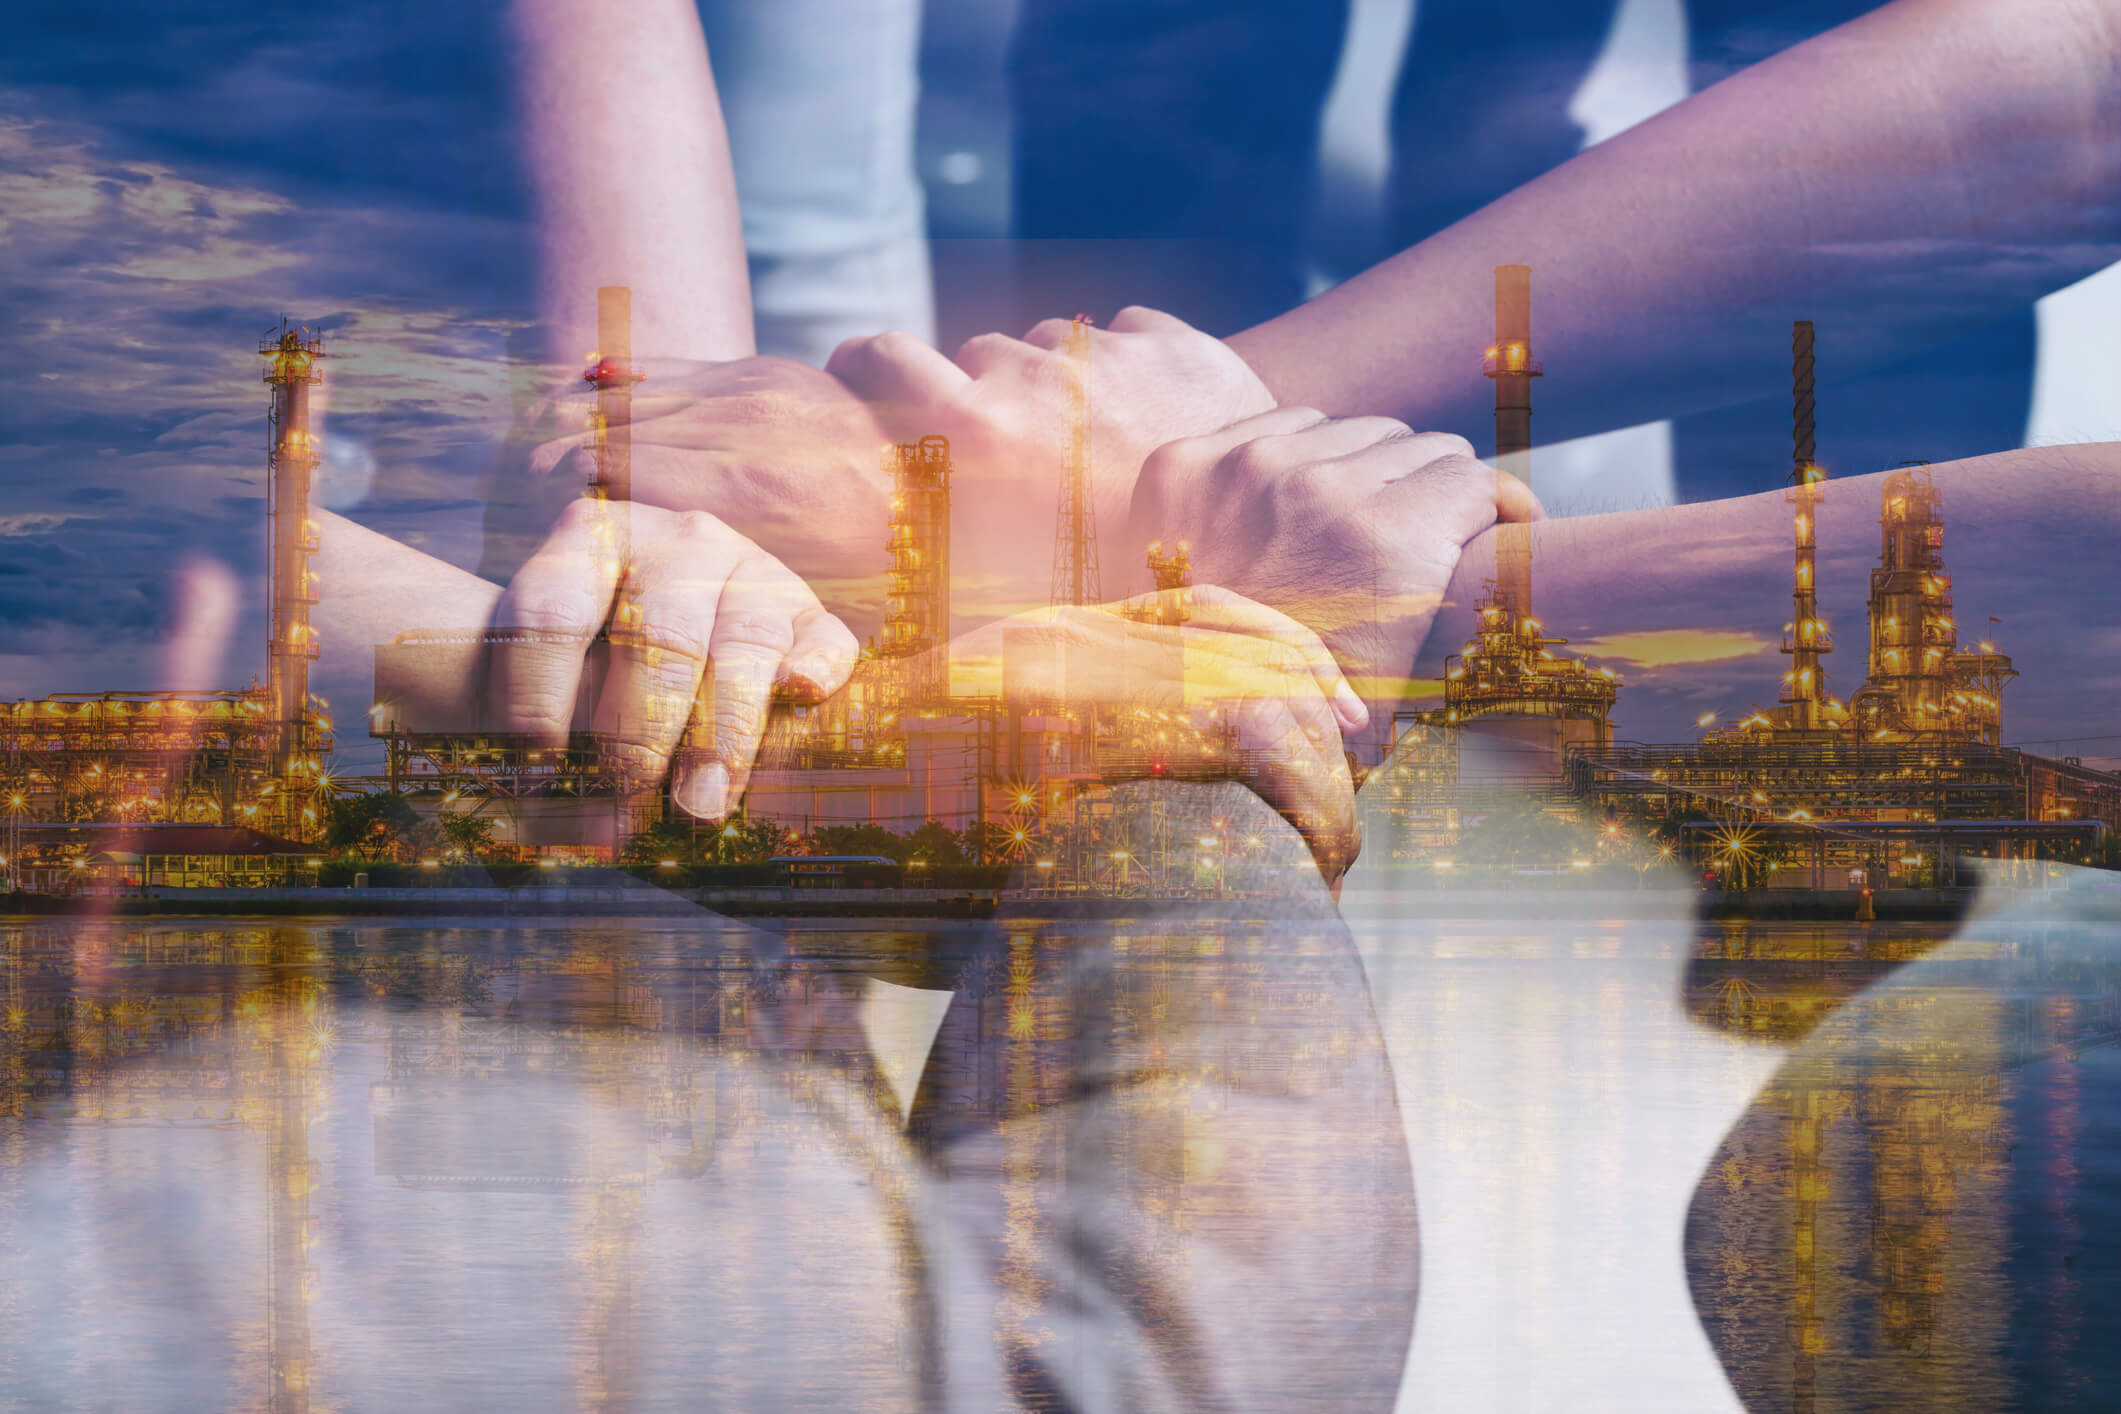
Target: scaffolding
x,y
1075,577
916,638
1921,683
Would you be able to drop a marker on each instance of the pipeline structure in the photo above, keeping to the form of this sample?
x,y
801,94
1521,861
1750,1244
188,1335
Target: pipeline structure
x,y
249,758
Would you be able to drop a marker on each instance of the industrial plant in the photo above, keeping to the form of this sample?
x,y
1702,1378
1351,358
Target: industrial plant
x,y
1892,787
197,785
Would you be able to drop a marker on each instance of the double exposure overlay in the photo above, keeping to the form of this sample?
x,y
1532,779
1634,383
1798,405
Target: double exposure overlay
x,y
927,705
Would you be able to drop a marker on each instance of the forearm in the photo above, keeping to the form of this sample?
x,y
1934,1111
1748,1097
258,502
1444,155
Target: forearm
x,y
630,178
1687,603
1872,180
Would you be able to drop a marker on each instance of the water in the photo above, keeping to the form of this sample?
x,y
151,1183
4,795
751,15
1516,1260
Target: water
x,y
564,1164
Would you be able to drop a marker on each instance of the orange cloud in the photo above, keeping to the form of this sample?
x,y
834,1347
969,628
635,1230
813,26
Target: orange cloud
x,y
1675,647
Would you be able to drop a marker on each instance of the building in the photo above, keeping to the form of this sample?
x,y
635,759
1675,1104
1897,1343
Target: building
x,y
251,757
1893,787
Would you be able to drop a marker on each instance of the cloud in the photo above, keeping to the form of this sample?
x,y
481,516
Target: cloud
x,y
1675,647
31,523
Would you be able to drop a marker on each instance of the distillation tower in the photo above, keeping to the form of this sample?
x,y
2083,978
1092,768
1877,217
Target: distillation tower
x,y
1921,683
917,586
1806,704
1075,578
612,374
1543,705
291,540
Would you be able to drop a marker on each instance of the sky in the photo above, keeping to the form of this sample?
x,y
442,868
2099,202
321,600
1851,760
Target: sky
x,y
175,177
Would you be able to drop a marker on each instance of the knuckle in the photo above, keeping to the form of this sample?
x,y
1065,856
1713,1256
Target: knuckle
x,y
1446,444
1262,459
894,345
579,514
701,527
550,608
741,640
984,348
1382,429
1049,332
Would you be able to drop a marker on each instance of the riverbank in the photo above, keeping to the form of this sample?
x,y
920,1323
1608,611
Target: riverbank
x,y
630,897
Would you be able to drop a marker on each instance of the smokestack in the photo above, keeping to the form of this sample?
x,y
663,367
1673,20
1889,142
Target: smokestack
x,y
1804,451
1511,365
291,467
1804,693
614,378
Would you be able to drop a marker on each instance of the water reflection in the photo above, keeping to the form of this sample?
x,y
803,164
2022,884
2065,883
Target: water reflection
x,y
1899,1219
583,1167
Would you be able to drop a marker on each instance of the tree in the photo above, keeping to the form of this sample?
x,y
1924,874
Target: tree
x,y
666,839
861,839
993,843
746,841
374,825
934,844
469,836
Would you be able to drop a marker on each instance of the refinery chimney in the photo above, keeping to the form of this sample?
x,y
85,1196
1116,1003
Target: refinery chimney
x,y
1511,365
1804,694
291,538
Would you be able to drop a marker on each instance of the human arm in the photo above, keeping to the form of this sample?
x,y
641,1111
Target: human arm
x,y
1908,175
1687,603
666,634
630,178
1354,527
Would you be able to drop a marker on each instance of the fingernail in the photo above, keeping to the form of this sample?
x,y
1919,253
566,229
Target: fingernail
x,y
708,796
1350,706
805,678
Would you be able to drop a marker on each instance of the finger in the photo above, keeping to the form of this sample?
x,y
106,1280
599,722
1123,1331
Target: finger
x,y
1140,319
988,355
1215,609
1302,775
1455,496
1210,448
899,376
754,634
821,660
1173,470
1050,334
546,619
1330,439
657,650
1514,500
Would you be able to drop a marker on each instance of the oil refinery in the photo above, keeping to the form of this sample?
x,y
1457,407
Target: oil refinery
x,y
87,773
1893,785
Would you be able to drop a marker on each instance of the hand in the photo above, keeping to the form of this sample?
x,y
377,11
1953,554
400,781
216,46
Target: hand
x,y
1351,526
773,447
1245,693
692,613
1004,405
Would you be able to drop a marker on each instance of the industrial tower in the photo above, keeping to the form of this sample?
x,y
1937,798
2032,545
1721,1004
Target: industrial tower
x,y
1506,670
1511,365
1921,683
917,586
1805,703
291,538
1172,573
1075,579
612,374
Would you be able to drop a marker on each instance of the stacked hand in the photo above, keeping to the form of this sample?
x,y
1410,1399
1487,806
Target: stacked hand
x,y
1353,526
1153,378
1274,703
697,619
772,446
